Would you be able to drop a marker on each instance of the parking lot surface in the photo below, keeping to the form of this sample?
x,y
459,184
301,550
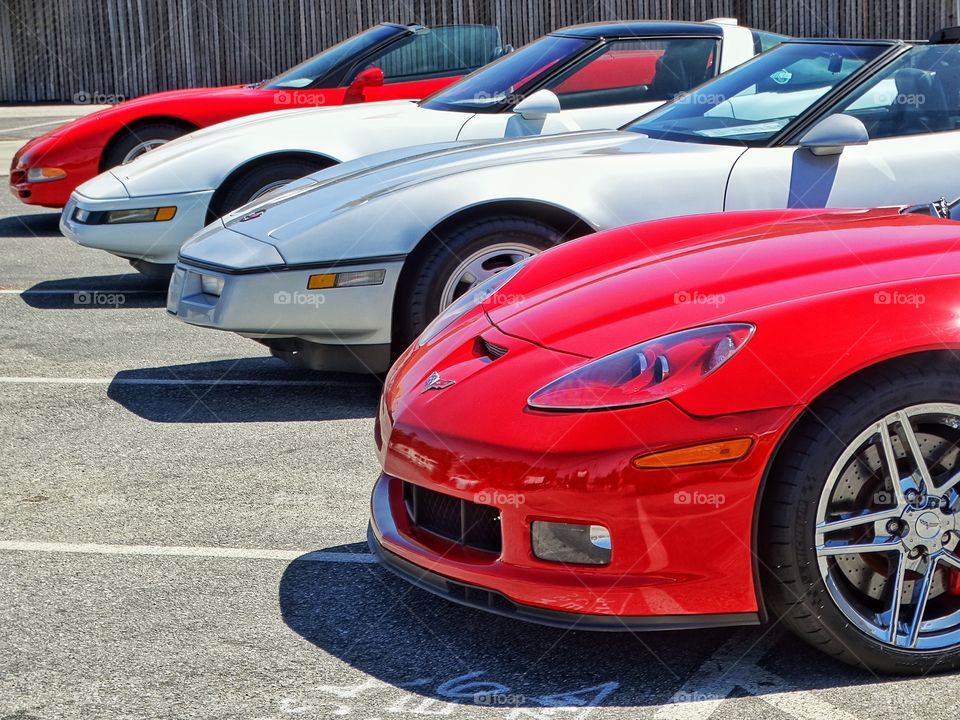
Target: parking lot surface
x,y
182,534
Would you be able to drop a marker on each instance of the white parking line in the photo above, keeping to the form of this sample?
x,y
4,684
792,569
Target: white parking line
x,y
30,291
730,668
178,551
169,381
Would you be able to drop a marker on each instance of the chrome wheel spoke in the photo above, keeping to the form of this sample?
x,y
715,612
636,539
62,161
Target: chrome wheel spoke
x,y
856,520
922,594
896,594
913,448
890,460
837,547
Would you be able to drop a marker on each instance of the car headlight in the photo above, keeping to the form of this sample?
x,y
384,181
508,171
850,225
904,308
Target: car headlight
x,y
645,373
469,300
136,215
45,174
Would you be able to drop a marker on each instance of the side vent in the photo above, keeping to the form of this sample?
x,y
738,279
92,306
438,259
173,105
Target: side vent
x,y
485,348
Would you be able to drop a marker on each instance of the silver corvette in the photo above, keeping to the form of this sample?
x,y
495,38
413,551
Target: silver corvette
x,y
346,267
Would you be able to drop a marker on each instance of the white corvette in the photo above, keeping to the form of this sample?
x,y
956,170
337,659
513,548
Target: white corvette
x,y
581,77
348,267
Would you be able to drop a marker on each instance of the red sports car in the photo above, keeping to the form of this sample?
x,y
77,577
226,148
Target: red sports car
x,y
386,62
702,421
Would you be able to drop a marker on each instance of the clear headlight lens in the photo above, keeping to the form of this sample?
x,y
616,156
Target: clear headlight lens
x,y
647,372
45,174
469,300
211,285
136,215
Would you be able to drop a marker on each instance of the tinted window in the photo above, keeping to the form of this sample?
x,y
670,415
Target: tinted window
x,y
754,102
763,41
309,71
917,93
505,80
437,52
632,71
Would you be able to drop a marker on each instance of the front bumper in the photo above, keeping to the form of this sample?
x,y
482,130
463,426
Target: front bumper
x,y
325,329
682,538
153,242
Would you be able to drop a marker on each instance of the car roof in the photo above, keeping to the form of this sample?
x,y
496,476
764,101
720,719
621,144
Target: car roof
x,y
640,28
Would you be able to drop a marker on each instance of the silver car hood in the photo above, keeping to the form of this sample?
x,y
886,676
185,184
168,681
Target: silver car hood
x,y
353,184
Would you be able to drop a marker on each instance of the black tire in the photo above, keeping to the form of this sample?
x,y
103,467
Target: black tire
x,y
132,137
422,298
251,183
793,587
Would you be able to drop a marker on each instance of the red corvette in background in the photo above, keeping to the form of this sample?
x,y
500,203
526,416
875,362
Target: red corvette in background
x,y
696,422
386,62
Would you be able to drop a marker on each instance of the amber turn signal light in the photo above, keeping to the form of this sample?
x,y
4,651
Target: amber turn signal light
x,y
695,454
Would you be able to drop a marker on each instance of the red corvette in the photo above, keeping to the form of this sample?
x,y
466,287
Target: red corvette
x,y
386,62
693,422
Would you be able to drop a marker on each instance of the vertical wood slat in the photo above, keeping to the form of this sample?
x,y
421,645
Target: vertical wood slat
x,y
61,50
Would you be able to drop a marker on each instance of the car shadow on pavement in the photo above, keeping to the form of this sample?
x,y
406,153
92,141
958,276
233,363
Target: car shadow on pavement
x,y
32,225
412,642
127,291
261,389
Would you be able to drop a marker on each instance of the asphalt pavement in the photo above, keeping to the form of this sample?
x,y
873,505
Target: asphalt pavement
x,y
182,534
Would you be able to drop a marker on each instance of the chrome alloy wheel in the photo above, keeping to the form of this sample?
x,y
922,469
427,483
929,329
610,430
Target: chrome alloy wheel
x,y
142,147
888,529
481,265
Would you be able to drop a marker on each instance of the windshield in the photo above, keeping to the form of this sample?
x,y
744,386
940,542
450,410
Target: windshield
x,y
504,80
309,71
751,104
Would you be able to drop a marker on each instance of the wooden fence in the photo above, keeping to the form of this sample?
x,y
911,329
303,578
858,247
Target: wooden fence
x,y
106,50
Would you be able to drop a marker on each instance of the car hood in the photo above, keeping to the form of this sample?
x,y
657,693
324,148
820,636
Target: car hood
x,y
598,294
321,130
294,221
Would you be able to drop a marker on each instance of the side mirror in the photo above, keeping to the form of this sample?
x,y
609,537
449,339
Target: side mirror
x,y
832,134
371,77
538,105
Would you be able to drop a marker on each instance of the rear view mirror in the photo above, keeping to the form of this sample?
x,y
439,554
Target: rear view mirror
x,y
832,134
538,105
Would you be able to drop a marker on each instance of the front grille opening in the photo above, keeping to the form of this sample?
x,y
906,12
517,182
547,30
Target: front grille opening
x,y
461,521
484,348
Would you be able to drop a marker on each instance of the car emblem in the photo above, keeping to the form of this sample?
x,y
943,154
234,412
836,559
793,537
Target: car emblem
x,y
252,216
435,382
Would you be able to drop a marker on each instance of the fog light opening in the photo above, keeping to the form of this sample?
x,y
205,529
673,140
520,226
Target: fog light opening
x,y
211,285
571,543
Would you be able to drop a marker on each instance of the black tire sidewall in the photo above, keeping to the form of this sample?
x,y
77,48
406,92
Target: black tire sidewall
x,y
449,250
250,183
